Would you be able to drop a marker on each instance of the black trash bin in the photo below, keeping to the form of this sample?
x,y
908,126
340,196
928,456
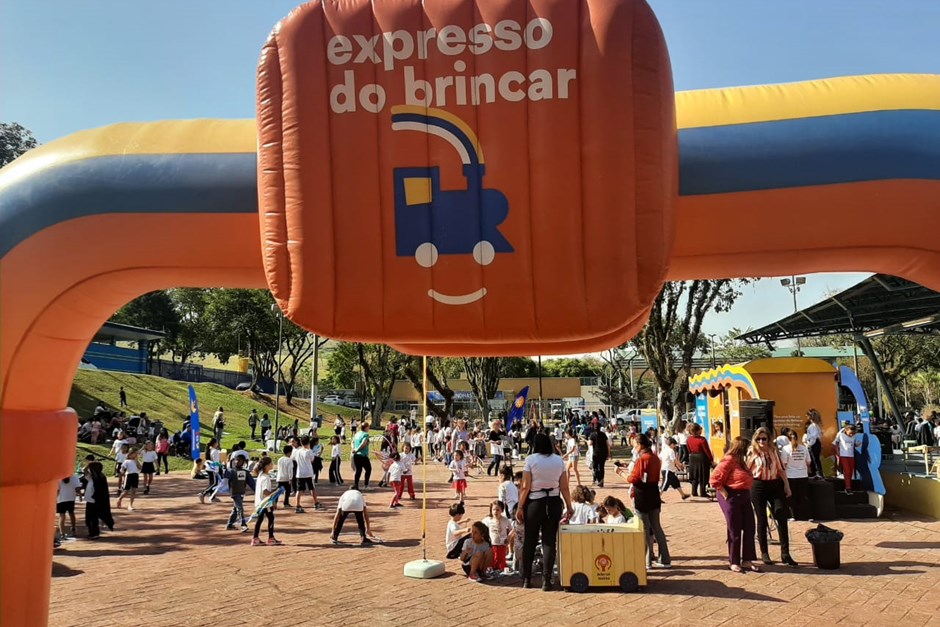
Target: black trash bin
x,y
826,548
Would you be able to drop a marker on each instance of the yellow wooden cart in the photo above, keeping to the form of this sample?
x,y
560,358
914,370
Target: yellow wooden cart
x,y
603,555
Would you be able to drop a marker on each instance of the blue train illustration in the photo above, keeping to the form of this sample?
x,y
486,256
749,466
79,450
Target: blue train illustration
x,y
429,221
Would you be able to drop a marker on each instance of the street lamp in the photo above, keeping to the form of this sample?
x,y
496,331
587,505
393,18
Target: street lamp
x,y
277,392
793,284
711,337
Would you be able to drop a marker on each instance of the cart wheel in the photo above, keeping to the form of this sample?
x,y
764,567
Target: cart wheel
x,y
629,582
579,583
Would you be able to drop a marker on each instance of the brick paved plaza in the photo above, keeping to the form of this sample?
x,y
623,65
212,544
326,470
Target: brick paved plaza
x,y
170,562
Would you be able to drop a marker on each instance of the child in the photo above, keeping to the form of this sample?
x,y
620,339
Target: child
x,y
238,479
459,469
584,510
455,532
264,487
617,512
572,452
197,471
336,462
65,503
670,462
499,528
285,473
394,478
477,554
507,493
516,540
131,474
407,468
149,459
119,460
317,449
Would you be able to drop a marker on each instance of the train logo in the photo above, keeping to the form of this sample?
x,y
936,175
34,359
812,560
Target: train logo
x,y
430,222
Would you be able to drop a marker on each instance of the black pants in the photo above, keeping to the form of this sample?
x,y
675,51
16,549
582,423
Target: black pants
x,y
497,461
360,521
418,452
91,520
253,427
684,453
799,501
764,493
287,491
698,474
597,466
269,514
334,470
541,516
814,455
360,463
166,463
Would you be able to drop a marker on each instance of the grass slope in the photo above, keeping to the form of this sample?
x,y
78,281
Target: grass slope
x,y
168,401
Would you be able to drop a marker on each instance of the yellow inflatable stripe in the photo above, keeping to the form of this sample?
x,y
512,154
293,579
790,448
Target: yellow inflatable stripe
x,y
138,138
833,96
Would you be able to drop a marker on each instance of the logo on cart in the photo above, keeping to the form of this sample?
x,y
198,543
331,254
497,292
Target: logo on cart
x,y
429,221
603,563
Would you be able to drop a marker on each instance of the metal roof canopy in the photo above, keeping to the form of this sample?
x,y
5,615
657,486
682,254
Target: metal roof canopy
x,y
112,331
879,305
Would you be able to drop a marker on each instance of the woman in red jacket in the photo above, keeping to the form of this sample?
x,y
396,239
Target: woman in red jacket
x,y
700,460
732,480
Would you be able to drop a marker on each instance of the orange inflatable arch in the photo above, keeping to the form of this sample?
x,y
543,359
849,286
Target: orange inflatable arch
x,y
831,175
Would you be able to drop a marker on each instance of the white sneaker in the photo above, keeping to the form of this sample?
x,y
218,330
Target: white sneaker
x,y
130,508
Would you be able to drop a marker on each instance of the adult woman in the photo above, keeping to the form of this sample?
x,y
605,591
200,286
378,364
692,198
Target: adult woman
x,y
797,460
495,439
770,488
360,456
544,486
732,480
572,452
814,441
646,501
700,460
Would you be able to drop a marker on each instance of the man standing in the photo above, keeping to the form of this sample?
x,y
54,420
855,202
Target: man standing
x,y
601,448
253,422
352,502
123,396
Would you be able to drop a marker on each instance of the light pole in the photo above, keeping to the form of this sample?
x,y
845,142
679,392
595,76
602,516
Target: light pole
x,y
313,379
793,284
711,337
277,392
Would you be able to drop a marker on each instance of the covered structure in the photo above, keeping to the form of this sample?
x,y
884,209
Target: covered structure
x,y
105,353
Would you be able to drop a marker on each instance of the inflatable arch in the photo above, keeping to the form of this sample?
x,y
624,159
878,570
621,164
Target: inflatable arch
x,y
830,175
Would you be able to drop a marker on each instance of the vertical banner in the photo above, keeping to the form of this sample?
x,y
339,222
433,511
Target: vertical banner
x,y
194,421
701,413
648,420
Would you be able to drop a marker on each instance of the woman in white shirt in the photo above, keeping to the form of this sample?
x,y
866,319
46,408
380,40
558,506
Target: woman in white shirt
x,y
814,442
845,449
797,460
264,488
544,487
572,453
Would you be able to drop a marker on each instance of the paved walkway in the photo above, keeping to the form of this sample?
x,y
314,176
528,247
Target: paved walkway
x,y
171,563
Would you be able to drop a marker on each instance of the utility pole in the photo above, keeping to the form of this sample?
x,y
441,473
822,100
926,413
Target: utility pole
x,y
793,284
277,391
313,380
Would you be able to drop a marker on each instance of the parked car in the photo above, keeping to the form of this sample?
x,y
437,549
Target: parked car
x,y
333,399
353,401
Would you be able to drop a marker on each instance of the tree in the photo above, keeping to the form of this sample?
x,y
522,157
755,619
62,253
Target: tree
x,y
519,367
343,368
14,141
190,337
734,351
381,367
483,374
572,367
673,334
155,311
242,317
439,372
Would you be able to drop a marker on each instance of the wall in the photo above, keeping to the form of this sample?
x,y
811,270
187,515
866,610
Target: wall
x,y
913,493
120,359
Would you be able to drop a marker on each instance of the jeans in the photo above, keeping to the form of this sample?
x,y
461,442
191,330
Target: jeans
x,y
361,462
764,493
541,515
269,513
166,463
739,516
238,510
496,463
814,455
651,523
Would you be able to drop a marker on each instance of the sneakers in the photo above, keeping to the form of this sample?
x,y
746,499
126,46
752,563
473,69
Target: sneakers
x,y
298,510
130,508
244,528
661,565
274,542
366,541
334,540
685,496
231,527
318,506
473,578
256,542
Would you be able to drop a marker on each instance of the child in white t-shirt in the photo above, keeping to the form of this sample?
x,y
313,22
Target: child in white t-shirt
x,y
131,474
669,457
585,512
285,473
394,479
119,459
264,487
336,462
617,512
459,468
516,540
507,492
455,532
148,459
499,527
65,503
407,470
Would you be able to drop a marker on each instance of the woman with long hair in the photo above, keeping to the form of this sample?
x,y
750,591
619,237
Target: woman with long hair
x,y
732,480
646,501
770,488
700,460
543,492
814,441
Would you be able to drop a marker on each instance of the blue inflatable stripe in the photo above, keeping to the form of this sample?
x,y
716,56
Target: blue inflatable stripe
x,y
847,148
176,183
450,127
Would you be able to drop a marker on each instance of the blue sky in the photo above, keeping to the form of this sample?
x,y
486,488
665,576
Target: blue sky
x,y
70,65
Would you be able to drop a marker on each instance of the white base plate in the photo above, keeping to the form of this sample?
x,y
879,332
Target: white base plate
x,y
424,569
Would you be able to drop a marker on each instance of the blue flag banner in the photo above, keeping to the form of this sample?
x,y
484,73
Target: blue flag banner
x,y
194,421
517,412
